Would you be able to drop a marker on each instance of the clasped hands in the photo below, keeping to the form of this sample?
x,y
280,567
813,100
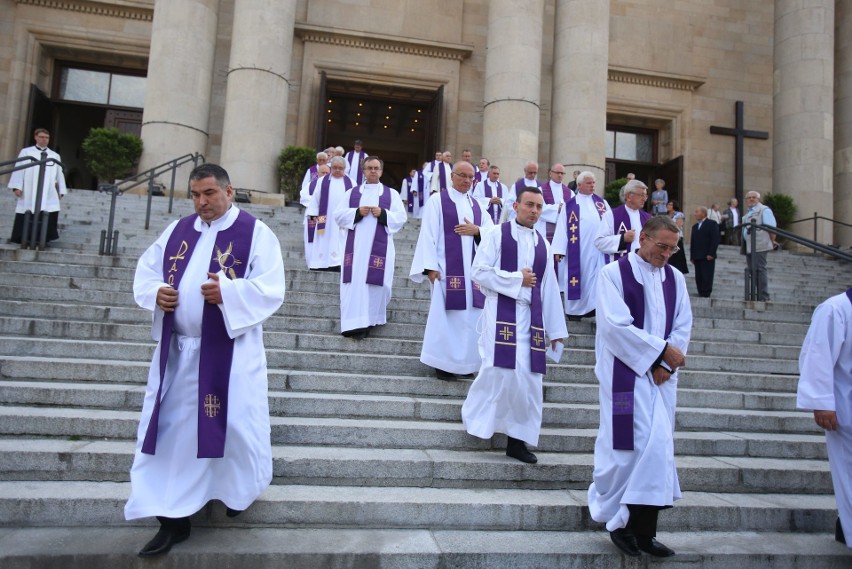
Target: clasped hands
x,y
366,210
673,358
167,297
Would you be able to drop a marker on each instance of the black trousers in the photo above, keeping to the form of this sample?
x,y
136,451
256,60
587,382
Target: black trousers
x,y
704,271
643,519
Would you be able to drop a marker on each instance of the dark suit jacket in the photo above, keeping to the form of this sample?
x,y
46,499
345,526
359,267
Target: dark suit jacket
x,y
704,241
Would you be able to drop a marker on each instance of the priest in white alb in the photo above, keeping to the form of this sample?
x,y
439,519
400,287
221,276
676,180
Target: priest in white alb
x,y
825,387
619,229
309,223
327,241
211,280
414,193
441,173
644,321
368,216
449,232
523,311
574,239
493,195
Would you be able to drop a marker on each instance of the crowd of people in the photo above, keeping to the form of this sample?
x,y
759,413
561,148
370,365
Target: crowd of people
x,y
507,266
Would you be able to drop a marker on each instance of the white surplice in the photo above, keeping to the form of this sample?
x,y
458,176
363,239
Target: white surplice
x,y
478,193
591,260
450,339
435,181
27,182
646,475
327,248
305,196
505,400
411,185
607,240
173,482
361,304
550,214
825,384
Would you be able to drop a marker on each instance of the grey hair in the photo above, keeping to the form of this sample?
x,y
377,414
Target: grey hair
x,y
585,175
702,208
338,160
631,187
322,155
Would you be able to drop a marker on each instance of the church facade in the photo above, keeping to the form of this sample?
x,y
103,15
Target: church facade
x,y
610,86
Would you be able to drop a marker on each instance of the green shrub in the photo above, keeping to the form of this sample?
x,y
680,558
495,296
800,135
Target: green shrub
x,y
110,154
782,206
292,163
612,192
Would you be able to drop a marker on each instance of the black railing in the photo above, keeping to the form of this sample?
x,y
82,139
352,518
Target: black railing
x,y
752,286
816,217
34,232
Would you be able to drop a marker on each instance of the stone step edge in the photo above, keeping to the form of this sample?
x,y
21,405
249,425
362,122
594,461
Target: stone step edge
x,y
253,548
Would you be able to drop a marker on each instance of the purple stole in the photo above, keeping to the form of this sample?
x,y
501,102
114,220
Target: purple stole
x,y
323,205
442,176
623,378
217,348
356,163
455,256
312,222
505,345
494,210
520,184
621,225
572,210
849,294
313,170
409,197
379,251
547,194
479,177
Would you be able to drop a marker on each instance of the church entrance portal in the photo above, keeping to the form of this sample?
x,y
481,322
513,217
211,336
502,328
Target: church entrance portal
x,y
398,124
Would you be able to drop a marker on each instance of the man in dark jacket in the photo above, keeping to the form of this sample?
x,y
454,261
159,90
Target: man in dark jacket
x,y
702,250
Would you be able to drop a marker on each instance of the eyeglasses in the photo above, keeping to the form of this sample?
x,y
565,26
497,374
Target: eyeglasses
x,y
465,176
558,173
667,248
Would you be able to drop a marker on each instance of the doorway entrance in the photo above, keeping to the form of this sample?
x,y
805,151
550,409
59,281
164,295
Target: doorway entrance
x,y
400,125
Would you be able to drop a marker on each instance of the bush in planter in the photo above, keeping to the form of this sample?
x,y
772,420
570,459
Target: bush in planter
x,y
612,192
784,209
292,163
110,154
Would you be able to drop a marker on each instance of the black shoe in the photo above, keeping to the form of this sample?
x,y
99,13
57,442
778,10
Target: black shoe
x,y
445,375
467,376
624,539
653,547
572,318
838,533
516,448
165,539
232,513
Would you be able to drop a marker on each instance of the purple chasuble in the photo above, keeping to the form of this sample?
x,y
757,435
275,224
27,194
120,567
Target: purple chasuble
x,y
322,218
454,279
442,176
418,182
230,255
623,378
505,345
547,195
572,210
379,251
494,210
621,225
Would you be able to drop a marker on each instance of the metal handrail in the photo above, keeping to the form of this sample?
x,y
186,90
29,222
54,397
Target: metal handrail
x,y
751,288
150,174
817,217
34,233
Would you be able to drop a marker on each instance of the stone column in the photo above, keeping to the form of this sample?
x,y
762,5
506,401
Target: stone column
x,y
510,128
803,108
580,62
180,75
256,95
843,123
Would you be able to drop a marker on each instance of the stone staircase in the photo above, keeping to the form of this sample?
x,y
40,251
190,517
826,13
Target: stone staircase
x,y
372,467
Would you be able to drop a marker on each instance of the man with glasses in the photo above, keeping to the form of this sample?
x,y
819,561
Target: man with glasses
x,y
368,216
643,327
446,246
619,230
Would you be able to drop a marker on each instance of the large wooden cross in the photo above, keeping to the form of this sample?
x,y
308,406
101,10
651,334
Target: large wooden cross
x,y
740,134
